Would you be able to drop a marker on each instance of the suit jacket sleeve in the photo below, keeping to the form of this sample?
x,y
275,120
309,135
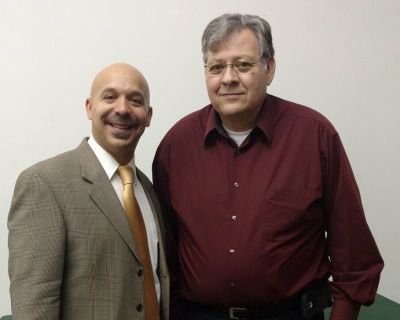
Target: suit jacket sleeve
x,y
36,249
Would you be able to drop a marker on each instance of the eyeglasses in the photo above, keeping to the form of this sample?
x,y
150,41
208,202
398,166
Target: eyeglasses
x,y
240,66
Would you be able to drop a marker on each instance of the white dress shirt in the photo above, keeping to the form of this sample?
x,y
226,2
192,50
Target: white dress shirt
x,y
110,166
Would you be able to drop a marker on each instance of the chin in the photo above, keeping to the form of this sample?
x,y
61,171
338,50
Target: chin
x,y
230,109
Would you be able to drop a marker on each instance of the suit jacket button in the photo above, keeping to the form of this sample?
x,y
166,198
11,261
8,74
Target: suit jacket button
x,y
140,272
139,307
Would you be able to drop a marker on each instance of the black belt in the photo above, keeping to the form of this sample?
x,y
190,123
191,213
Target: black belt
x,y
291,309
306,305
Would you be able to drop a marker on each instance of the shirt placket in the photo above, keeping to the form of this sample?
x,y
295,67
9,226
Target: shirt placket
x,y
234,217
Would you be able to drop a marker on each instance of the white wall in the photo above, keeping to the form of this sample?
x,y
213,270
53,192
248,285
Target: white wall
x,y
340,57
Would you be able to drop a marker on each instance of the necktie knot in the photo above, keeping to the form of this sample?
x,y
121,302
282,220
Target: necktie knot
x,y
126,174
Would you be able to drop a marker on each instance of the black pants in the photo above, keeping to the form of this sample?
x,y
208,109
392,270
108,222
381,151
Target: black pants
x,y
195,312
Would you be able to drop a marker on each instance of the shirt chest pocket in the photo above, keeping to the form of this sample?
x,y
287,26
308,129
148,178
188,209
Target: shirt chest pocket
x,y
290,214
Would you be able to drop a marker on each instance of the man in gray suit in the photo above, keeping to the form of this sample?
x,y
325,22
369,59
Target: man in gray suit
x,y
72,253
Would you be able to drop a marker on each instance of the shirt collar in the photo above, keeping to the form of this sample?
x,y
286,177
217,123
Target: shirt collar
x,y
213,125
107,161
264,123
267,118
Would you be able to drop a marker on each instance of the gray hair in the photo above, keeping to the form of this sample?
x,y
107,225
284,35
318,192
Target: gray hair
x,y
220,28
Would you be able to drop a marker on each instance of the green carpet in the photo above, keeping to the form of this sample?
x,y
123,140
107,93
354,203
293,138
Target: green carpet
x,y
382,309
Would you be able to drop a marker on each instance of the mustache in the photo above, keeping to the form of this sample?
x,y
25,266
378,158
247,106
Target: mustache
x,y
125,120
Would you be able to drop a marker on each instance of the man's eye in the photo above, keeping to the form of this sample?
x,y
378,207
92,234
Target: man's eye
x,y
136,101
108,97
243,66
217,68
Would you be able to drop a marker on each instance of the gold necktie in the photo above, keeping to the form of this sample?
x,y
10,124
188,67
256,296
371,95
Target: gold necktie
x,y
138,229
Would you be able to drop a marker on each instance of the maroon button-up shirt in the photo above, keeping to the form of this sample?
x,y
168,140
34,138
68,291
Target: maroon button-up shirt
x,y
250,222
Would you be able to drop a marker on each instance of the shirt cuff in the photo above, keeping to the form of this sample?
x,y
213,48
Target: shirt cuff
x,y
344,310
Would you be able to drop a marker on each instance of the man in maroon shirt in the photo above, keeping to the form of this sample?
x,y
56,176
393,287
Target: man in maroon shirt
x,y
260,197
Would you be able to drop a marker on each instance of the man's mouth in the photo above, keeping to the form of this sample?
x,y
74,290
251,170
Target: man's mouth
x,y
122,126
231,95
121,130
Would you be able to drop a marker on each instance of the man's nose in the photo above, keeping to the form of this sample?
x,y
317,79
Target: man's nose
x,y
122,105
229,76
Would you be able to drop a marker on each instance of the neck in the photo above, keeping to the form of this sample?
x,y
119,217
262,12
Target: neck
x,y
123,159
246,120
238,123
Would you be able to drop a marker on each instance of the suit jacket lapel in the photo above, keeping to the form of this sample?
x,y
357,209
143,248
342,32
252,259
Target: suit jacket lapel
x,y
103,194
147,187
162,269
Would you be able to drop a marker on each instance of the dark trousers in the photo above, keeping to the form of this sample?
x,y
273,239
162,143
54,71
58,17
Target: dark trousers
x,y
191,311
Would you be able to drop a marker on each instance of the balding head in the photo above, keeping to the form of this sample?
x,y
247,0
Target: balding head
x,y
121,71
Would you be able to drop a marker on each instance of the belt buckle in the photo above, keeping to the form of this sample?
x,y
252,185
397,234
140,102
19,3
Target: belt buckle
x,y
232,312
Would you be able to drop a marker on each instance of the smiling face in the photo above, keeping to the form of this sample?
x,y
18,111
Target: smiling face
x,y
238,97
119,109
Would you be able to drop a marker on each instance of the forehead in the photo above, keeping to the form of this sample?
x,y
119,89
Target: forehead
x,y
120,78
121,81
238,44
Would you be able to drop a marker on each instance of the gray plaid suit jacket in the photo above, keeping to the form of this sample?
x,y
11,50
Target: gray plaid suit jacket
x,y
72,254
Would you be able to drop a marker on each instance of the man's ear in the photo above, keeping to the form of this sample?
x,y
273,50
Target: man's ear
x,y
149,116
88,107
270,70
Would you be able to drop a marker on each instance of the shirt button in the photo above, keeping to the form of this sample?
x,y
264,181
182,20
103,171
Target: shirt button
x,y
232,285
139,307
232,251
236,184
234,218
